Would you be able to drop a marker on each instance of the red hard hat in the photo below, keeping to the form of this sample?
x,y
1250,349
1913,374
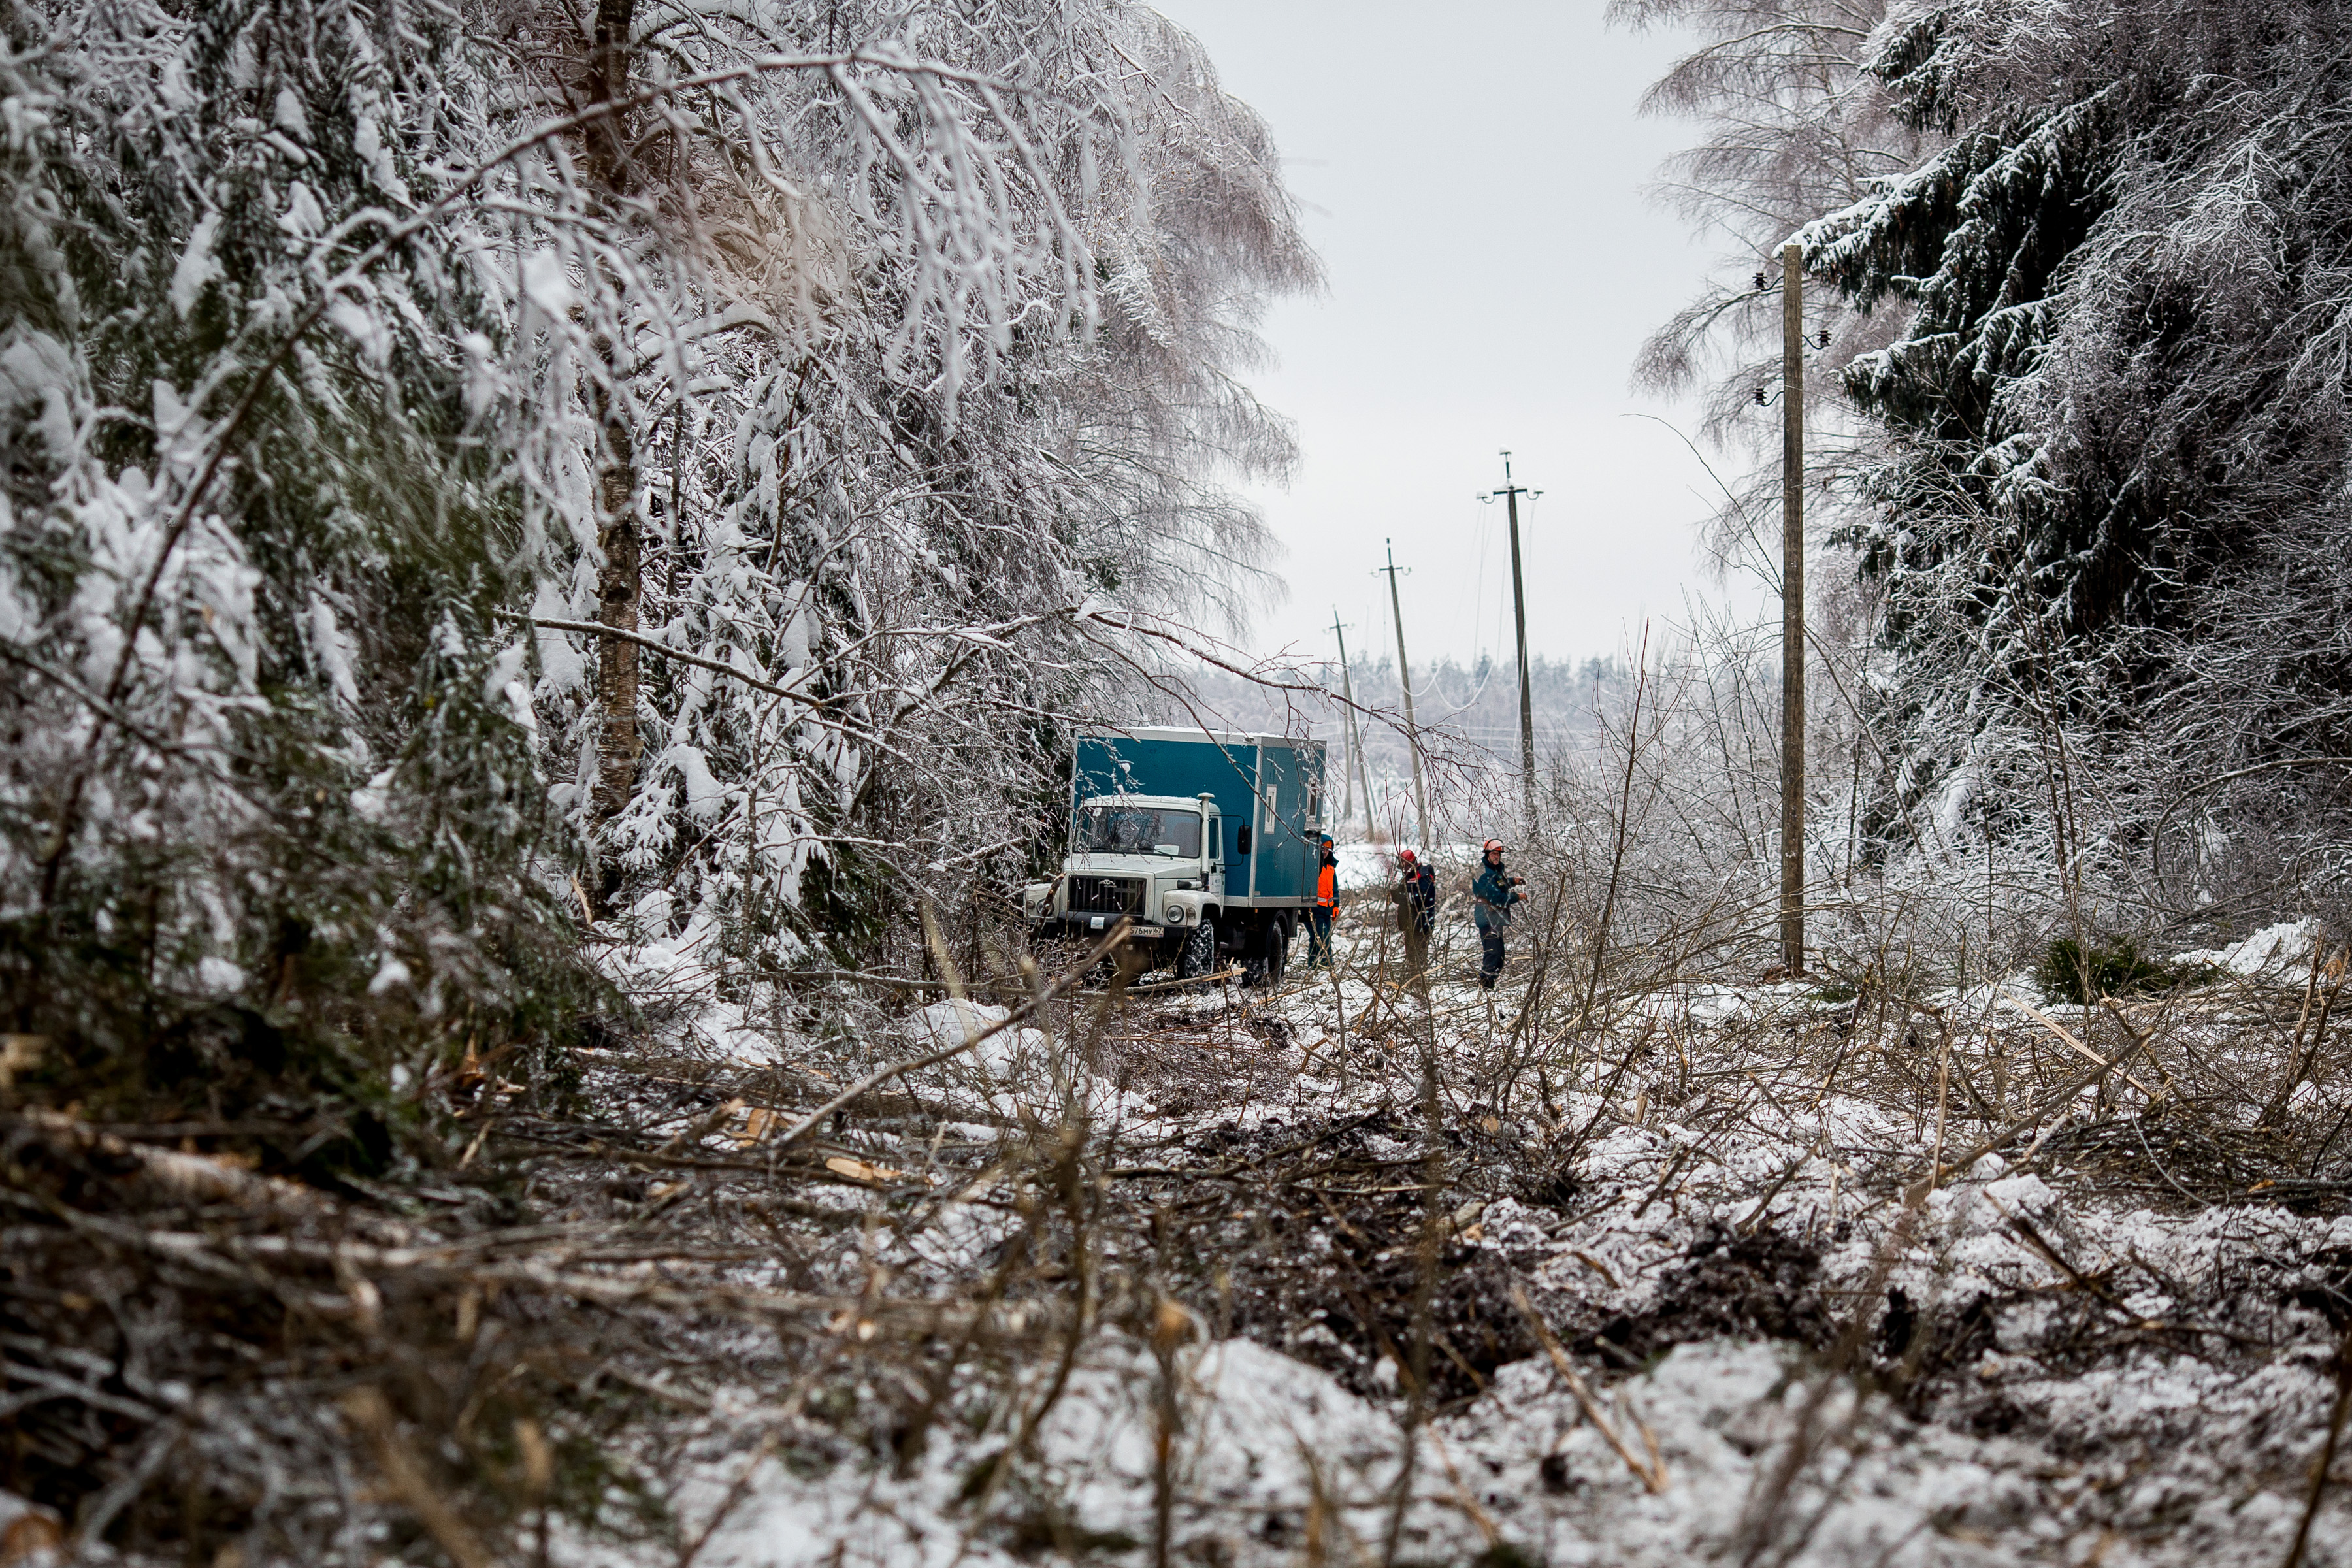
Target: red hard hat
x,y
1406,856
1493,844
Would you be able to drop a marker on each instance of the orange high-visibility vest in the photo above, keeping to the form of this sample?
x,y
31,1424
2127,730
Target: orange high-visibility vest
x,y
1327,887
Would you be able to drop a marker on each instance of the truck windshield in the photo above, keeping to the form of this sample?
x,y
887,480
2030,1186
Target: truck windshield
x,y
1140,830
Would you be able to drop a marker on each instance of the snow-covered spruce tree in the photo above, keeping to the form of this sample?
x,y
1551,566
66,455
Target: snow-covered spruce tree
x,y
1791,124
2083,417
2117,419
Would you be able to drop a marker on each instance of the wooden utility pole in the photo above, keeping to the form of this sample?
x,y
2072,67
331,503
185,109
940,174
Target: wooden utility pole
x,y
1792,608
1404,679
1354,773
1511,493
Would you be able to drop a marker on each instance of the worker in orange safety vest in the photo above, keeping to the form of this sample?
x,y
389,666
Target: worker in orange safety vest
x,y
1326,899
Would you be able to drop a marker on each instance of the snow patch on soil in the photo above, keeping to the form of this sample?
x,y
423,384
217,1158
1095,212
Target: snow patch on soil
x,y
2274,952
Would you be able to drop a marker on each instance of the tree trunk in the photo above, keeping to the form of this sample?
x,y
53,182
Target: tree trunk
x,y
617,593
618,582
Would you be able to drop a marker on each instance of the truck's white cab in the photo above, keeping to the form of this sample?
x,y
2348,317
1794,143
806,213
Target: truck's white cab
x,y
1152,859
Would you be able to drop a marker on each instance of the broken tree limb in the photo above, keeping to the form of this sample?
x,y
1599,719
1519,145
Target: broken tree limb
x,y
2077,1046
1653,1476
179,1177
1222,975
1018,1014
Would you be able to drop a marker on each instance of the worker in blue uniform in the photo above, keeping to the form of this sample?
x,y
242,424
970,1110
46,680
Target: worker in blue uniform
x,y
1492,896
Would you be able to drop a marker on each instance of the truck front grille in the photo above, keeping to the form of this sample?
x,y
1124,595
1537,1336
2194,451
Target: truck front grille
x,y
1107,896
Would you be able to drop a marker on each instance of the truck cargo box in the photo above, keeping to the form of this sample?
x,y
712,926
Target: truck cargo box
x,y
1267,788
1201,846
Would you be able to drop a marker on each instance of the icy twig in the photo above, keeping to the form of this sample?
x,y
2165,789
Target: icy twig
x,y
1943,1105
736,1492
1424,1292
1464,1498
2299,1061
369,1412
1018,1015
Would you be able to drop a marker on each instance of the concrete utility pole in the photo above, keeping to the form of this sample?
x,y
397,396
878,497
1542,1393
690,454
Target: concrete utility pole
x,y
1792,608
1511,493
1404,678
1349,779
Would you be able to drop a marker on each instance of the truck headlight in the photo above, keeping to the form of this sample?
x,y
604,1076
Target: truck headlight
x,y
1175,914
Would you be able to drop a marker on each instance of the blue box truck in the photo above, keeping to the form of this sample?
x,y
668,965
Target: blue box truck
x,y
1206,842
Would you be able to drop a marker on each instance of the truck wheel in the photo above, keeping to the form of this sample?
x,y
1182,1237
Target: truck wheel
x,y
1198,956
1265,965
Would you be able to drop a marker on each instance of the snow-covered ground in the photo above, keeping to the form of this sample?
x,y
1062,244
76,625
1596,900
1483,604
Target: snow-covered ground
x,y
1793,1351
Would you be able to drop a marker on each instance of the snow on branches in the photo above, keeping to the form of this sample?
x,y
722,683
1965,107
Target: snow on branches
x,y
818,361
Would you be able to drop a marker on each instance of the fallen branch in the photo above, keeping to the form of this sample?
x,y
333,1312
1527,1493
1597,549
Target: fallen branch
x,y
1652,1474
246,1261
1019,1014
186,1178
2077,1046
1220,974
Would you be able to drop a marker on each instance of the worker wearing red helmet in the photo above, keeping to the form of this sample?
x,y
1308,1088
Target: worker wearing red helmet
x,y
1417,903
1492,896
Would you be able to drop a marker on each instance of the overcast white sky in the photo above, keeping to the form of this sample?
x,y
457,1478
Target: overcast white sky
x,y
1475,179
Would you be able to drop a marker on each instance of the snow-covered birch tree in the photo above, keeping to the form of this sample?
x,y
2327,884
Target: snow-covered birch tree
x,y
479,467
